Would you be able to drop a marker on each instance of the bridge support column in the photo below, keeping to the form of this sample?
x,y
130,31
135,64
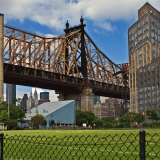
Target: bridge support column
x,y
87,99
1,54
84,101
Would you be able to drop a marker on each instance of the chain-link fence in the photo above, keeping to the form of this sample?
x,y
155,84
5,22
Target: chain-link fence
x,y
110,147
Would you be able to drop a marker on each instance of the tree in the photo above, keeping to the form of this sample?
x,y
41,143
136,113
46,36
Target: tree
x,y
10,119
37,120
152,115
128,118
108,119
84,117
4,118
51,123
139,118
15,112
98,123
44,123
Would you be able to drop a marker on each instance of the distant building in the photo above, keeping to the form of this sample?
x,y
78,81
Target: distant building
x,y
24,103
96,99
30,103
111,107
11,93
100,110
36,97
44,97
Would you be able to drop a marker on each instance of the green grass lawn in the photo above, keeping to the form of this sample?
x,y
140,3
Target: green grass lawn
x,y
79,144
61,133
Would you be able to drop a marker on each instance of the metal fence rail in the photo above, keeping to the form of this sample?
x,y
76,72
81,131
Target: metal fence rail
x,y
117,147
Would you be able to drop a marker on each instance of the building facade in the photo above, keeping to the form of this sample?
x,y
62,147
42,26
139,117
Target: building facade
x,y
11,93
111,107
36,97
44,97
30,102
144,60
96,99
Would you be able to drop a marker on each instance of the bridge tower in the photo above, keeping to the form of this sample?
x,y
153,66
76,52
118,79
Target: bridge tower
x,y
84,99
1,54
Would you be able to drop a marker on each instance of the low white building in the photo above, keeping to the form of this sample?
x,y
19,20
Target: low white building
x,y
59,111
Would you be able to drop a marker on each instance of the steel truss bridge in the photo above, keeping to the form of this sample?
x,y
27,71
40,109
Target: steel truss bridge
x,y
66,63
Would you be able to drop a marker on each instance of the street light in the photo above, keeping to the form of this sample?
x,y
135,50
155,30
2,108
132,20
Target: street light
x,y
8,100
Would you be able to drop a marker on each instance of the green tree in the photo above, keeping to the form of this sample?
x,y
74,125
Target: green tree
x,y
152,115
139,118
44,123
127,119
4,118
84,117
37,120
108,119
51,123
15,112
98,122
11,123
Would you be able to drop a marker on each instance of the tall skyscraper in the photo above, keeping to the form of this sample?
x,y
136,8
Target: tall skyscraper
x,y
11,93
30,102
144,60
36,97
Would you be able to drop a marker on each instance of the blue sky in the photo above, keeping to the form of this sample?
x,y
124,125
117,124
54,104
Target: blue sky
x,y
107,22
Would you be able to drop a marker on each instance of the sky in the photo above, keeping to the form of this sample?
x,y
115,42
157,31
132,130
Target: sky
x,y
107,23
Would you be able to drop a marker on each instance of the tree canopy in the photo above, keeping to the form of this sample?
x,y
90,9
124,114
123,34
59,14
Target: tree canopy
x,y
84,117
132,117
37,120
152,115
10,119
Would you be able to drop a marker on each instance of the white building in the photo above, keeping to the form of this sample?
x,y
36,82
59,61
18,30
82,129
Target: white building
x,y
59,111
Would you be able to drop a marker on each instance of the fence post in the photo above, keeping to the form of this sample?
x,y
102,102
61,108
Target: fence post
x,y
1,146
142,144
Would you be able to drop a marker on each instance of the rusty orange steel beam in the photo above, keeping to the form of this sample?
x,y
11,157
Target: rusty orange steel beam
x,y
49,54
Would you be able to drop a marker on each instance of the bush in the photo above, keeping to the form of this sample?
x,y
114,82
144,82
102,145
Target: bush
x,y
155,124
107,125
145,125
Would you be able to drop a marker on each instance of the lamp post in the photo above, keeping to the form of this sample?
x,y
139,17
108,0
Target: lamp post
x,y
8,101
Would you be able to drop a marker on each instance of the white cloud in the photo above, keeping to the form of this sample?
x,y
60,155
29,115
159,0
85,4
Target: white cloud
x,y
54,14
105,25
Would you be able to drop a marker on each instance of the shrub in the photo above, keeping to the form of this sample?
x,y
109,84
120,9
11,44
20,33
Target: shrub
x,y
145,125
155,124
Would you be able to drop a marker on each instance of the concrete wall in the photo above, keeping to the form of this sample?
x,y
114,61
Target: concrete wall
x,y
1,54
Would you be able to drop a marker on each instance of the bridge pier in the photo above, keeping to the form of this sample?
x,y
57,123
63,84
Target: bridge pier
x,y
1,54
87,99
84,100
